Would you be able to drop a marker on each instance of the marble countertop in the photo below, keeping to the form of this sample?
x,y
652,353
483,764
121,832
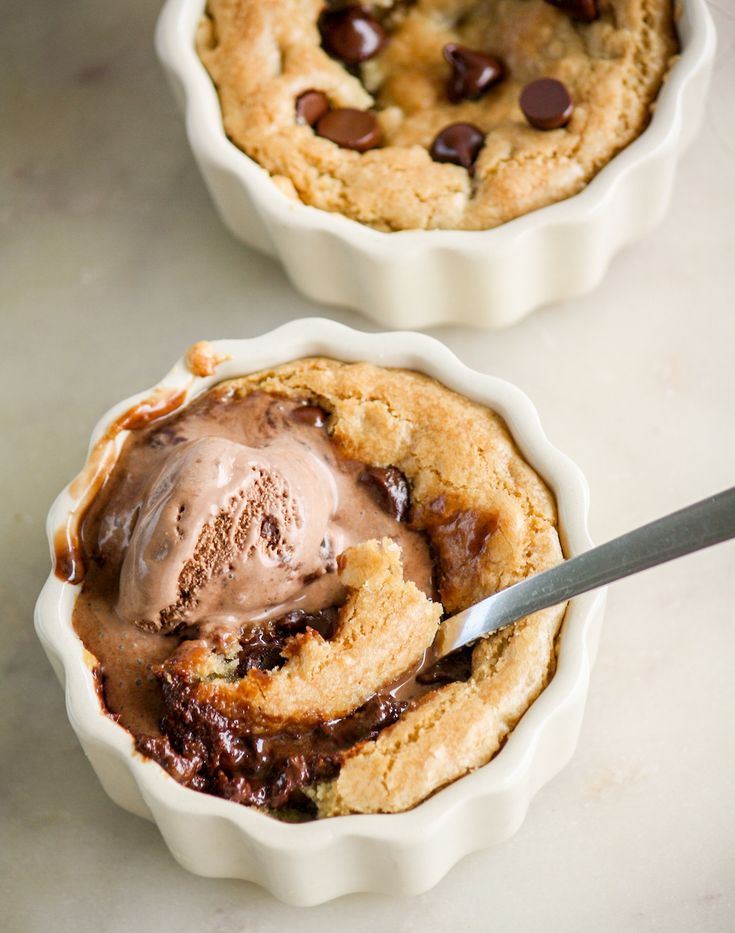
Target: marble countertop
x,y
112,261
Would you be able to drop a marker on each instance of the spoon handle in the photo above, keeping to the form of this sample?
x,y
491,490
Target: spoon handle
x,y
698,526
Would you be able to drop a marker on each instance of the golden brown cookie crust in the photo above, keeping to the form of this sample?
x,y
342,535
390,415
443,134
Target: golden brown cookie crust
x,y
262,56
491,520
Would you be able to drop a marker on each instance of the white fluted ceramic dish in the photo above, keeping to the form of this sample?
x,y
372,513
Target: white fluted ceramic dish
x,y
399,853
422,278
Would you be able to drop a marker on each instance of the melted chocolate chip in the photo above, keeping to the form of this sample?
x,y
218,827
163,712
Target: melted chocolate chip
x,y
458,143
313,415
298,620
261,647
350,129
546,104
466,533
473,73
389,488
159,748
456,666
352,34
311,107
459,539
585,11
380,711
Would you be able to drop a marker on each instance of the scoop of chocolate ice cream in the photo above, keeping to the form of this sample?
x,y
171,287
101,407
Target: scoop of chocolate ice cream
x,y
227,531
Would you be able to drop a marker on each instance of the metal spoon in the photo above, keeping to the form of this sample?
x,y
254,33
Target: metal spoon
x,y
698,526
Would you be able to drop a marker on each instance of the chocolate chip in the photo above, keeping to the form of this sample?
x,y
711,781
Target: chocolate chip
x,y
546,104
260,649
454,667
458,143
351,129
583,10
313,415
389,488
261,646
352,34
298,620
159,748
380,711
294,775
473,73
269,531
311,107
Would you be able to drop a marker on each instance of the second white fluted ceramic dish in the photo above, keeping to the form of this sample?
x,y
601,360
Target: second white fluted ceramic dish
x,y
398,853
422,278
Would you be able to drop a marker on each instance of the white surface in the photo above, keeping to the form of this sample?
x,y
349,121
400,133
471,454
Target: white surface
x,y
113,262
401,853
417,279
